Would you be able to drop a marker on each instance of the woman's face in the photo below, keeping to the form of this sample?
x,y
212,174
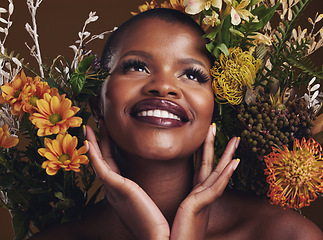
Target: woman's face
x,y
158,102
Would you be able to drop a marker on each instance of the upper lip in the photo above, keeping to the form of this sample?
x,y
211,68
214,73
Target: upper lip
x,y
161,104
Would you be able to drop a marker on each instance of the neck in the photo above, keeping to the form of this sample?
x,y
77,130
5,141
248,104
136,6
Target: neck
x,y
166,182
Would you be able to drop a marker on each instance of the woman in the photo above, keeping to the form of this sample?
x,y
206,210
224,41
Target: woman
x,y
155,112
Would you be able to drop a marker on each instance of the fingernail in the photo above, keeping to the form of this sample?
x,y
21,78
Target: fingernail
x,y
237,142
214,129
236,163
86,143
84,130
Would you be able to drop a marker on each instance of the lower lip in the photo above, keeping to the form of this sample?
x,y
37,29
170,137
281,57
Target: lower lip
x,y
163,122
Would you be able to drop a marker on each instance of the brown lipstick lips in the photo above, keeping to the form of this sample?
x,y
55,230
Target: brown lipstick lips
x,y
159,104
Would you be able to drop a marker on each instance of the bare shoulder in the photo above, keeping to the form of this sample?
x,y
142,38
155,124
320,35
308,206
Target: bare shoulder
x,y
249,217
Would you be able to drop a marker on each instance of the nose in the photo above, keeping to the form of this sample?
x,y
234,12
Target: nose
x,y
163,85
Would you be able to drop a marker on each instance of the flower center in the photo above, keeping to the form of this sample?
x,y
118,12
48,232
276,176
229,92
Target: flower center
x,y
55,118
33,100
17,93
64,157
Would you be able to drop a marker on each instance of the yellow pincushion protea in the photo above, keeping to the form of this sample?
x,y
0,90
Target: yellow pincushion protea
x,y
7,141
233,74
62,153
55,114
295,177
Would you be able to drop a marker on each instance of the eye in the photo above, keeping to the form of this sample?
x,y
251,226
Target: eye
x,y
134,65
197,75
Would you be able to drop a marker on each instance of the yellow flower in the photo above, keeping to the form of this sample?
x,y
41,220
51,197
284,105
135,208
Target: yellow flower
x,y
233,75
55,114
295,177
62,153
11,93
7,141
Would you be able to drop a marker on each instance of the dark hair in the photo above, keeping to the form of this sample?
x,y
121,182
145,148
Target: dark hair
x,y
165,14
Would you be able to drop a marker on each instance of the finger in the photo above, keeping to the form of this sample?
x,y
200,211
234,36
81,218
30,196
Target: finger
x,y
90,136
226,156
207,195
206,165
103,170
105,142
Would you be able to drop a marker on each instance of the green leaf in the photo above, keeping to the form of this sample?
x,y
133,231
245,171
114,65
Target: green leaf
x,y
226,34
53,84
6,180
223,48
77,82
264,15
211,35
20,197
86,63
20,223
210,47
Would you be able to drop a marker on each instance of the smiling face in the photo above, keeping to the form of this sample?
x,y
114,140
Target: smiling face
x,y
158,101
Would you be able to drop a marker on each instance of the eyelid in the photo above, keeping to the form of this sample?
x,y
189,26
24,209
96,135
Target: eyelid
x,y
127,64
199,74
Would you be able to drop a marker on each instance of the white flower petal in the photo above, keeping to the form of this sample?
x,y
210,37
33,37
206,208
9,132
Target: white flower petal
x,y
217,4
3,20
312,81
3,10
11,8
235,18
316,93
193,6
315,87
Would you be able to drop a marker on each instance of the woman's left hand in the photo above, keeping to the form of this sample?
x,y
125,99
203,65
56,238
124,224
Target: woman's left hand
x,y
192,216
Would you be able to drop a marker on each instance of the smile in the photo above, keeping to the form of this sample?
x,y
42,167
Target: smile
x,y
159,112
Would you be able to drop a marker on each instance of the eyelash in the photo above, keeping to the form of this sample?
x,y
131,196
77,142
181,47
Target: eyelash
x,y
198,74
134,64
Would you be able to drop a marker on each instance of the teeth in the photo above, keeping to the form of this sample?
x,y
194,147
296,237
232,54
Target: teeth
x,y
158,113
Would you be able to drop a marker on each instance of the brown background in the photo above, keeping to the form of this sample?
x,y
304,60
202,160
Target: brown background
x,y
59,21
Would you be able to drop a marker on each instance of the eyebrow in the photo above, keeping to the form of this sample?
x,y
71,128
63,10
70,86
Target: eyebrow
x,y
137,53
149,56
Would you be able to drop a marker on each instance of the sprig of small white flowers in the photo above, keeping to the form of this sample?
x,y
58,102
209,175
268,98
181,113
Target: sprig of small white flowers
x,y
314,97
84,35
10,72
7,70
35,49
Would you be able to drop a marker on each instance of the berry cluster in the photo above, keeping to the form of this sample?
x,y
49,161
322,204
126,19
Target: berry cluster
x,y
263,124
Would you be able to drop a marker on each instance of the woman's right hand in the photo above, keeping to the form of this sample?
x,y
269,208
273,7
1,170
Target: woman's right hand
x,y
132,204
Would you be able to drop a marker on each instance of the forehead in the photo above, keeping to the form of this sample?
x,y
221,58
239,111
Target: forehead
x,y
155,33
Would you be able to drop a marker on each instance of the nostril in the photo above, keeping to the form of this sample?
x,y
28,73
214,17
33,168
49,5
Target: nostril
x,y
172,93
154,92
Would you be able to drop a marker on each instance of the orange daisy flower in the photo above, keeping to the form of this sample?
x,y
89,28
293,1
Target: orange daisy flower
x,y
11,93
7,141
62,153
55,114
295,177
32,92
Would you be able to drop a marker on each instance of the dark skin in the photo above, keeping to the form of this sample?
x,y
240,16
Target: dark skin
x,y
152,190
